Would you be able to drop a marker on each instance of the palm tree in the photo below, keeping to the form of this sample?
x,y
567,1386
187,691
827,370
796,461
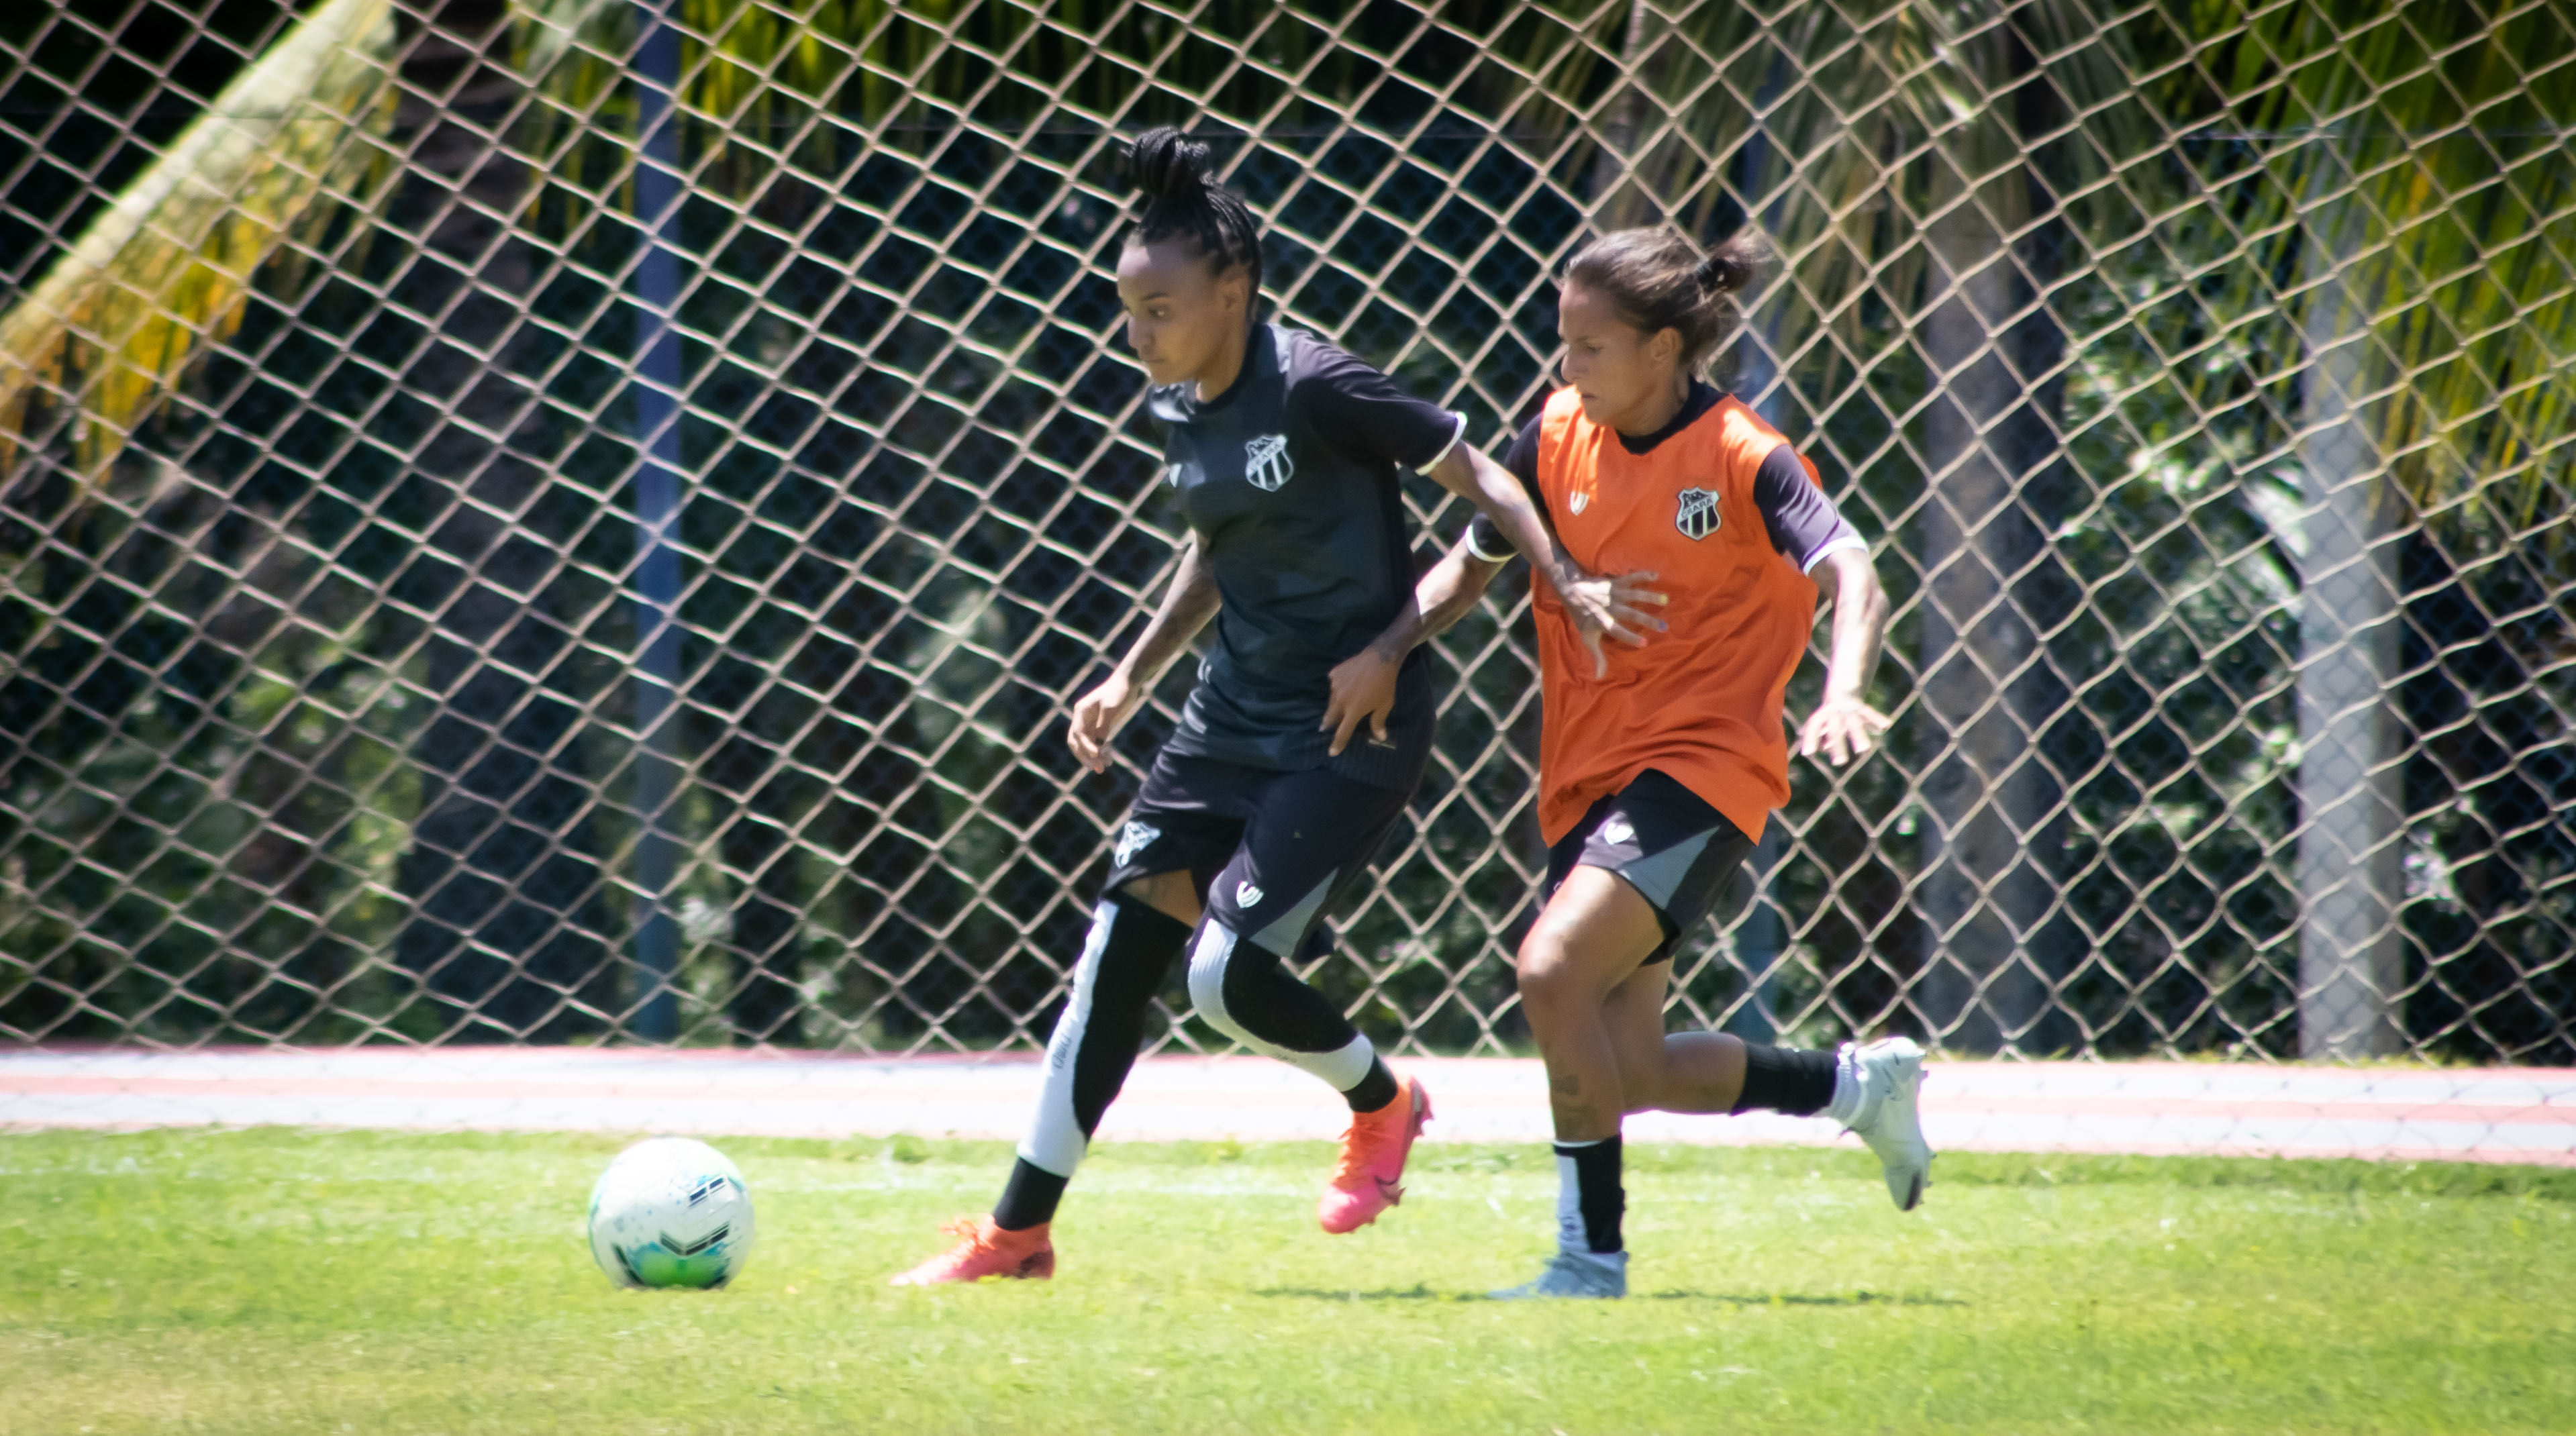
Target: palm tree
x,y
2410,256
167,269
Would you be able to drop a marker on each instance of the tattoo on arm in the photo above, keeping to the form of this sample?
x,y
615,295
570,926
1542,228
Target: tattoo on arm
x,y
1186,608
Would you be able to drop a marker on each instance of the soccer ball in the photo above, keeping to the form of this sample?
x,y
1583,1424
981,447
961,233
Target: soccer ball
x,y
670,1212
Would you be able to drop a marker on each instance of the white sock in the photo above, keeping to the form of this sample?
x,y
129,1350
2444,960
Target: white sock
x,y
1845,1108
1571,1236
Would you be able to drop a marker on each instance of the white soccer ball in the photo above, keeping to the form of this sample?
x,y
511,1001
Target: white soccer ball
x,y
670,1212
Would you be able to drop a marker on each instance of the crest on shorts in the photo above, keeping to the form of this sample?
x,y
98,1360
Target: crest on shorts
x,y
1132,840
1617,830
1696,516
1266,464
1245,894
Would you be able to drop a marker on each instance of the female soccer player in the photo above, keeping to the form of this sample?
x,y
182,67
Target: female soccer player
x,y
1659,763
1283,453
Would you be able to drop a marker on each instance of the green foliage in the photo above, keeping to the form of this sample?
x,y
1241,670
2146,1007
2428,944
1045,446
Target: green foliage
x,y
277,157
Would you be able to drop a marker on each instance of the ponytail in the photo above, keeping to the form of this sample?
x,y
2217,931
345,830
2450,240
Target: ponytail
x,y
1168,170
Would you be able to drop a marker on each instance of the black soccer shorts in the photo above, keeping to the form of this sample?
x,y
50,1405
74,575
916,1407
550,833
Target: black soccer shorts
x,y
1661,839
1269,852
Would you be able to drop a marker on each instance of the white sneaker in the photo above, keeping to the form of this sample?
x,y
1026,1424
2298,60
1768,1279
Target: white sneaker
x,y
1890,1073
1593,1275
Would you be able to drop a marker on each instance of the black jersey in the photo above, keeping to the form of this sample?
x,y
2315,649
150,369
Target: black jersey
x,y
1289,479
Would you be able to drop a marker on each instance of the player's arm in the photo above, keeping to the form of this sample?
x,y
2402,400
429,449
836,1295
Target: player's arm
x,y
1456,583
1806,530
1186,608
1592,601
1361,409
1364,683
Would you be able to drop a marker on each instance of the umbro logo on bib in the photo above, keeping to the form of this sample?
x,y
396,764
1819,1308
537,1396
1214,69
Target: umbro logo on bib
x,y
1582,500
1696,516
1266,464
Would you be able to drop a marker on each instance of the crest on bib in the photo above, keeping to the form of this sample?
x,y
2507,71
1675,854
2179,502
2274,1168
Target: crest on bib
x,y
1696,516
1266,464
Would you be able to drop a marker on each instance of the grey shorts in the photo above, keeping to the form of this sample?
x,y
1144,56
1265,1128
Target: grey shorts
x,y
1661,839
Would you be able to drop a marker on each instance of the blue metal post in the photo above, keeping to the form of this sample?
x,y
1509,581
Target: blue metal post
x,y
656,388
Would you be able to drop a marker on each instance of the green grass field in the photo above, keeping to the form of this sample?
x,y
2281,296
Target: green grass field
x,y
280,1281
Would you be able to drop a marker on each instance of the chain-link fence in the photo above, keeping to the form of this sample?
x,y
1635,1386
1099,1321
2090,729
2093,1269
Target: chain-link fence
x,y
570,520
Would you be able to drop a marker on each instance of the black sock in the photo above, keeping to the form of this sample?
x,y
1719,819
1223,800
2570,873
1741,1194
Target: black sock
x,y
1104,1022
1589,1200
1029,1198
1785,1079
1375,1090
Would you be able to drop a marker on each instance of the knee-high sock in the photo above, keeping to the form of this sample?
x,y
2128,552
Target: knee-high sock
x,y
1589,1197
1243,991
1124,960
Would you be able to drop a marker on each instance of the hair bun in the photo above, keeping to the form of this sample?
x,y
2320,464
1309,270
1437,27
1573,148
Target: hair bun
x,y
1163,164
1724,273
1734,264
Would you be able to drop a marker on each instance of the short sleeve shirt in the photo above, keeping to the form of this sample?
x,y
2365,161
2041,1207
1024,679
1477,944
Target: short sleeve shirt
x,y
1290,480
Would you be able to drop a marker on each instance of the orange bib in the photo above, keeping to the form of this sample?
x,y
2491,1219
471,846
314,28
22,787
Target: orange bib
x,y
1702,700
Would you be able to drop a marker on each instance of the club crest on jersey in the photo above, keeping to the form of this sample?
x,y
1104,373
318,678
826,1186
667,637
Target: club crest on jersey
x,y
1696,516
1131,841
1266,464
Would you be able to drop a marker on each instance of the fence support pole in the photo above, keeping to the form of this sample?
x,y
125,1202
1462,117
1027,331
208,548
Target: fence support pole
x,y
657,503
2350,802
1990,962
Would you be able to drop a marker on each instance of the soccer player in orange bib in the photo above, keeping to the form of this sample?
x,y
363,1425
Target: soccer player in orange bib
x,y
1661,757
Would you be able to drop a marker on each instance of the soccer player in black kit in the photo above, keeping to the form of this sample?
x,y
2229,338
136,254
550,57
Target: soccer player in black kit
x,y
1311,722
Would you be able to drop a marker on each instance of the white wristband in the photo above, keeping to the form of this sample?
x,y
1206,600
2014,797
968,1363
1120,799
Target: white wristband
x,y
1478,549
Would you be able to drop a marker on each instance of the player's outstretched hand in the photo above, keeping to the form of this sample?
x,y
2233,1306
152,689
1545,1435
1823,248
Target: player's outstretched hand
x,y
1097,717
1843,729
1614,606
1363,689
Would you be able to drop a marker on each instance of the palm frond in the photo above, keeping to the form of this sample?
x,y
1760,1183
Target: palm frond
x,y
165,270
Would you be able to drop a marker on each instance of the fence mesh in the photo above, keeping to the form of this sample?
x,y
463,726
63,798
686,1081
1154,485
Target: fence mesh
x,y
569,520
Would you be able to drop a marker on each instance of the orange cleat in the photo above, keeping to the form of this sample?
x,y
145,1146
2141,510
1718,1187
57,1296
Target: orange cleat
x,y
985,1250
1373,1153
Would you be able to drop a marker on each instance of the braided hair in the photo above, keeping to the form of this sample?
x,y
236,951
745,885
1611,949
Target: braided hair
x,y
1169,172
1657,279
